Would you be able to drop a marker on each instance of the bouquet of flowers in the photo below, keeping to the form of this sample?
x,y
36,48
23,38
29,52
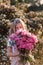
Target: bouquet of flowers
x,y
25,42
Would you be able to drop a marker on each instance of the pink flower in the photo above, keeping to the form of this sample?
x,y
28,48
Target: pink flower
x,y
24,39
29,46
19,42
12,36
18,31
31,40
35,38
22,47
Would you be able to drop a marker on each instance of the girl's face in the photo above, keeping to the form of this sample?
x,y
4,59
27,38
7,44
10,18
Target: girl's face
x,y
18,26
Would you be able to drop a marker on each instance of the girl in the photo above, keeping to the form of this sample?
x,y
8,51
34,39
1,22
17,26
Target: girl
x,y
12,52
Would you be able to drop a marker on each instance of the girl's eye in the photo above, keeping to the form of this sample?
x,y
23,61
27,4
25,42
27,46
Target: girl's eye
x,y
17,28
20,27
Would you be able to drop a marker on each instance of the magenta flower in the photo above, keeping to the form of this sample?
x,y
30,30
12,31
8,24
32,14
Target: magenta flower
x,y
35,38
24,40
12,36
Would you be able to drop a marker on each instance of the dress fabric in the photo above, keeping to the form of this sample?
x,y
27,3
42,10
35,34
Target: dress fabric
x,y
15,60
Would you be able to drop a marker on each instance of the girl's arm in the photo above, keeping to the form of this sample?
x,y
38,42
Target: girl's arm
x,y
9,49
9,52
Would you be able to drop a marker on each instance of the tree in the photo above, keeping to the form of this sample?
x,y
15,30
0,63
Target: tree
x,y
13,2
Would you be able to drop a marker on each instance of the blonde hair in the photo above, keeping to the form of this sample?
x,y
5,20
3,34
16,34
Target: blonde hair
x,y
17,20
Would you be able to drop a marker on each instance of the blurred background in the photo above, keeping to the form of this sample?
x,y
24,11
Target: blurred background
x,y
31,12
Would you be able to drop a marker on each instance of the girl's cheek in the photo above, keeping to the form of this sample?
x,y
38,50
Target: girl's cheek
x,y
19,29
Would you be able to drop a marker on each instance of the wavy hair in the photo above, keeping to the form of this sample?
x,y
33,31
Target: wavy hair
x,y
16,21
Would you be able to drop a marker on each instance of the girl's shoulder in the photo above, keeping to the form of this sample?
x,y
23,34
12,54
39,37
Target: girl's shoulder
x,y
10,41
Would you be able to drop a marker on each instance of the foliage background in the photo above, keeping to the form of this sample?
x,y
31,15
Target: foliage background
x,y
33,18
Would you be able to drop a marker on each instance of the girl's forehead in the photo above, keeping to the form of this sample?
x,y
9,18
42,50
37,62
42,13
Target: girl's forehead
x,y
15,24
19,24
